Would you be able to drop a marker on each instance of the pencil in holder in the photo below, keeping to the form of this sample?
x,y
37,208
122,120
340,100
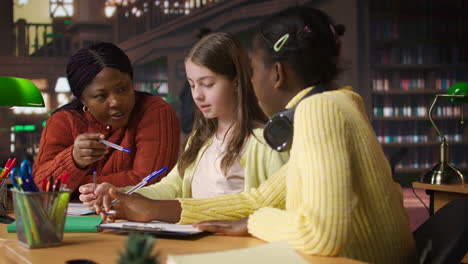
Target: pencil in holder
x,y
40,217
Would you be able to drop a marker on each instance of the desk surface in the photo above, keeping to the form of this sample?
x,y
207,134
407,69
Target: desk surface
x,y
455,188
104,247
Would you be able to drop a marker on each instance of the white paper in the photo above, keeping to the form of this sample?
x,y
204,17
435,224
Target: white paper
x,y
79,209
278,252
154,226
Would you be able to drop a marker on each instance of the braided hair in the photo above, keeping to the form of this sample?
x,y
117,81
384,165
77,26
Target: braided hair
x,y
86,63
304,38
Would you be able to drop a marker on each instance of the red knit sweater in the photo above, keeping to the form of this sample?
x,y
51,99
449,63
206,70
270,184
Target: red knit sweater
x,y
152,134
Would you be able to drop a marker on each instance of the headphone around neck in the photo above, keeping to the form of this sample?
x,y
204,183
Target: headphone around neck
x,y
278,131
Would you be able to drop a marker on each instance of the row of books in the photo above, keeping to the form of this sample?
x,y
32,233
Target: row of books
x,y
383,84
380,82
388,110
426,165
422,54
417,132
402,111
386,139
410,81
429,157
407,81
389,28
444,80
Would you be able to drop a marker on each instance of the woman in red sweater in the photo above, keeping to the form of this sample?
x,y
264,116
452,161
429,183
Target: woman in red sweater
x,y
106,107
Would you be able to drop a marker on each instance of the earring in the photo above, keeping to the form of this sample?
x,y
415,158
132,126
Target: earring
x,y
85,108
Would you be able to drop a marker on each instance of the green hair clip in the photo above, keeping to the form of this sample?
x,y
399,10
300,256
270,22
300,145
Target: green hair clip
x,y
280,43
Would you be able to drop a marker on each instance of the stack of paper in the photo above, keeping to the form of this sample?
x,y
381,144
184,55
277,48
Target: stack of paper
x,y
79,209
155,226
272,253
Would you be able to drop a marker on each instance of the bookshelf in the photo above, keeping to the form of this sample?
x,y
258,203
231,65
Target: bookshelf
x,y
417,49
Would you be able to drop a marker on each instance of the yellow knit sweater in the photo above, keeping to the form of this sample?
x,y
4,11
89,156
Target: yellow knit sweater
x,y
335,196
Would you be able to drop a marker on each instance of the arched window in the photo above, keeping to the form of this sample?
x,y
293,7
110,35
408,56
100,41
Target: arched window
x,y
61,8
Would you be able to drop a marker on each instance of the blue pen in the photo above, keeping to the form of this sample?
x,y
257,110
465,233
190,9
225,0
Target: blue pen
x,y
26,175
94,179
13,179
112,145
142,183
22,183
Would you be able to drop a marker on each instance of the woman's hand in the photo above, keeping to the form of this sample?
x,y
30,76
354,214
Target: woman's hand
x,y
136,208
87,149
130,207
225,227
88,195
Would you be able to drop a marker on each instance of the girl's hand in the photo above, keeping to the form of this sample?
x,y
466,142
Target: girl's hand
x,y
88,195
130,207
87,149
226,227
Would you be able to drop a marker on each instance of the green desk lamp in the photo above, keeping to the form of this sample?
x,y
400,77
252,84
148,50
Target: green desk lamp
x,y
19,92
444,172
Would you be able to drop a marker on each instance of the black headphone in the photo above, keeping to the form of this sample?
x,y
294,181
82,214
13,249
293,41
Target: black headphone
x,y
278,131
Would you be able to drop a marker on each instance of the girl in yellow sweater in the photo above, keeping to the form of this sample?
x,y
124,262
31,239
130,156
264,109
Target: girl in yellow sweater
x,y
335,196
226,153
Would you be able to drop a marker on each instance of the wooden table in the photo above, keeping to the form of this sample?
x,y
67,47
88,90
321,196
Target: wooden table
x,y
440,195
104,247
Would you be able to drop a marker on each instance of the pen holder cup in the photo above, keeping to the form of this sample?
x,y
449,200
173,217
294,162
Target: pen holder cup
x,y
3,198
40,217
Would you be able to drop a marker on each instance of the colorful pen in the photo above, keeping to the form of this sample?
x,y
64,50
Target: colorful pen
x,y
64,176
94,179
112,145
50,184
44,184
56,186
142,183
8,167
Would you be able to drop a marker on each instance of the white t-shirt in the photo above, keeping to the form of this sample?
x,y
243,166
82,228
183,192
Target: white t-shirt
x,y
209,179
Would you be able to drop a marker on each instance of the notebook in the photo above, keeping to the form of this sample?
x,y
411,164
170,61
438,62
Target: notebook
x,y
278,252
73,224
79,209
157,228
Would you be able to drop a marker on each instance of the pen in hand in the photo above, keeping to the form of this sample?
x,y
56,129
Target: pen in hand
x,y
142,183
94,179
112,145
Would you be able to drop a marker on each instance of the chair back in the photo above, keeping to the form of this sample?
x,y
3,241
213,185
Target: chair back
x,y
443,238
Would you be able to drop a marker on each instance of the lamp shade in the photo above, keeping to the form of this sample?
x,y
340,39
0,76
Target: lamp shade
x,y
459,88
19,92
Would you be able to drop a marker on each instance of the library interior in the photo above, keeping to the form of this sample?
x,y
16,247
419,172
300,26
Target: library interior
x,y
406,60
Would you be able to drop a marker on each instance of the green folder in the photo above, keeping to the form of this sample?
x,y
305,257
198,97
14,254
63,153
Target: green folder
x,y
73,224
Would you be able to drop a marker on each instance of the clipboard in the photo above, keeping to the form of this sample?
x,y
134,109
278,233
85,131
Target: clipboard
x,y
158,229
